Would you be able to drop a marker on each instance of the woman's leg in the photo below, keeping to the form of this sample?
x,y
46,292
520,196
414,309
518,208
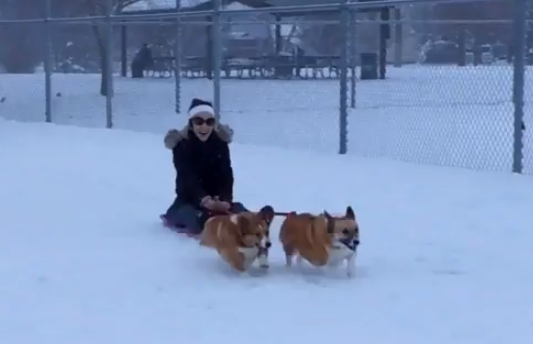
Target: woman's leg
x,y
185,216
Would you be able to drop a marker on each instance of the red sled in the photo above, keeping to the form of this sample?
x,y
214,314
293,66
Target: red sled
x,y
175,229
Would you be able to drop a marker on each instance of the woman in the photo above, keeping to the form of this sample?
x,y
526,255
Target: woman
x,y
204,180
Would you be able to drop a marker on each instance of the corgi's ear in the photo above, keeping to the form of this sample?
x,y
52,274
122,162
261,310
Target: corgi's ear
x,y
267,213
330,222
244,225
350,214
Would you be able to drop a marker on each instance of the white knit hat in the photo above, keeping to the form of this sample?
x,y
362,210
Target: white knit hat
x,y
198,106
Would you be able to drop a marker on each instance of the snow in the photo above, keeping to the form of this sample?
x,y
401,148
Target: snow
x,y
445,254
144,5
438,115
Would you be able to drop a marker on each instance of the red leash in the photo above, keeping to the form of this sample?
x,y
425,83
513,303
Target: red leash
x,y
219,212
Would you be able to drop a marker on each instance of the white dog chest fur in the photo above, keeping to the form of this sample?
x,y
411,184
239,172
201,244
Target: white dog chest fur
x,y
251,254
340,252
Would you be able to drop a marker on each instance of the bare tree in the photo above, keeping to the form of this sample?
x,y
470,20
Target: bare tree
x,y
95,8
21,48
474,14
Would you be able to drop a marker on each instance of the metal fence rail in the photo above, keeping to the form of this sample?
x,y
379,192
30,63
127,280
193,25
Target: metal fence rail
x,y
477,117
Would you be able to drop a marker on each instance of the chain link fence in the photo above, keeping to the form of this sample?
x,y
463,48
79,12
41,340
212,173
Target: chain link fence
x,y
438,113
273,94
403,79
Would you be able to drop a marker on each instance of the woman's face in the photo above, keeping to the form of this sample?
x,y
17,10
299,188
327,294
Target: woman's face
x,y
203,124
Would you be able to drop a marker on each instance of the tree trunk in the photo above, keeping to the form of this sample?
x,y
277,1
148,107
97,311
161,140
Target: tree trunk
x,y
103,74
20,49
102,51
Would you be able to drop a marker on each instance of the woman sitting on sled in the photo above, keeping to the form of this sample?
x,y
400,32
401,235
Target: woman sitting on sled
x,y
204,180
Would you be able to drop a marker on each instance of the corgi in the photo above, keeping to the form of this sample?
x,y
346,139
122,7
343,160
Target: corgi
x,y
240,239
321,239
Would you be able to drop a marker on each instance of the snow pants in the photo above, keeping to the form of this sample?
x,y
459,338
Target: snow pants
x,y
191,218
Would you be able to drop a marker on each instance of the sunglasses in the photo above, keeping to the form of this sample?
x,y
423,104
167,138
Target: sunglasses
x,y
200,121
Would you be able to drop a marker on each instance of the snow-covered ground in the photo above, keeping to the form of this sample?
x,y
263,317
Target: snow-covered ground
x,y
445,258
438,115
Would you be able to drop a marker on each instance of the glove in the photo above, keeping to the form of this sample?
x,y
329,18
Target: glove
x,y
208,203
223,206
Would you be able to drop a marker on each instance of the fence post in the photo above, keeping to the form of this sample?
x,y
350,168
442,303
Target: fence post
x,y
217,55
177,61
398,37
109,64
520,24
343,87
124,50
353,55
48,62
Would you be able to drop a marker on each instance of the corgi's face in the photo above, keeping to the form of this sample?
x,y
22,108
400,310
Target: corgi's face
x,y
343,228
255,228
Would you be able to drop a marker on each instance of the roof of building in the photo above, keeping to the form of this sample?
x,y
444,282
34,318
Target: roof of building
x,y
161,6
151,5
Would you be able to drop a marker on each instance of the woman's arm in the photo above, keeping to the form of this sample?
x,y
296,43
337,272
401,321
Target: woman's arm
x,y
226,175
187,185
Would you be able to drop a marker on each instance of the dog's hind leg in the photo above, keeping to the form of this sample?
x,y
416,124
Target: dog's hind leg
x,y
288,260
299,261
290,252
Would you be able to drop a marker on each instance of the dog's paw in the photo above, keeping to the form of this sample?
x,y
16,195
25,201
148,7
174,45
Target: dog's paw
x,y
262,259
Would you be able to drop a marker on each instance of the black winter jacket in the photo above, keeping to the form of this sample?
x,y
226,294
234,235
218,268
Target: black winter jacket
x,y
203,169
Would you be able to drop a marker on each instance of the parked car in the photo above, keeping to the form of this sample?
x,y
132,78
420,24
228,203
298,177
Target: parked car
x,y
440,52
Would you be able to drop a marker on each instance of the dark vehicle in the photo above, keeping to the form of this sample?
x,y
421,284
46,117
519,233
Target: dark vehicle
x,y
442,52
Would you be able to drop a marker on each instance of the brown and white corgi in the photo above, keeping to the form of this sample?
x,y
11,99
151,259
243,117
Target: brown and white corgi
x,y
240,239
321,239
